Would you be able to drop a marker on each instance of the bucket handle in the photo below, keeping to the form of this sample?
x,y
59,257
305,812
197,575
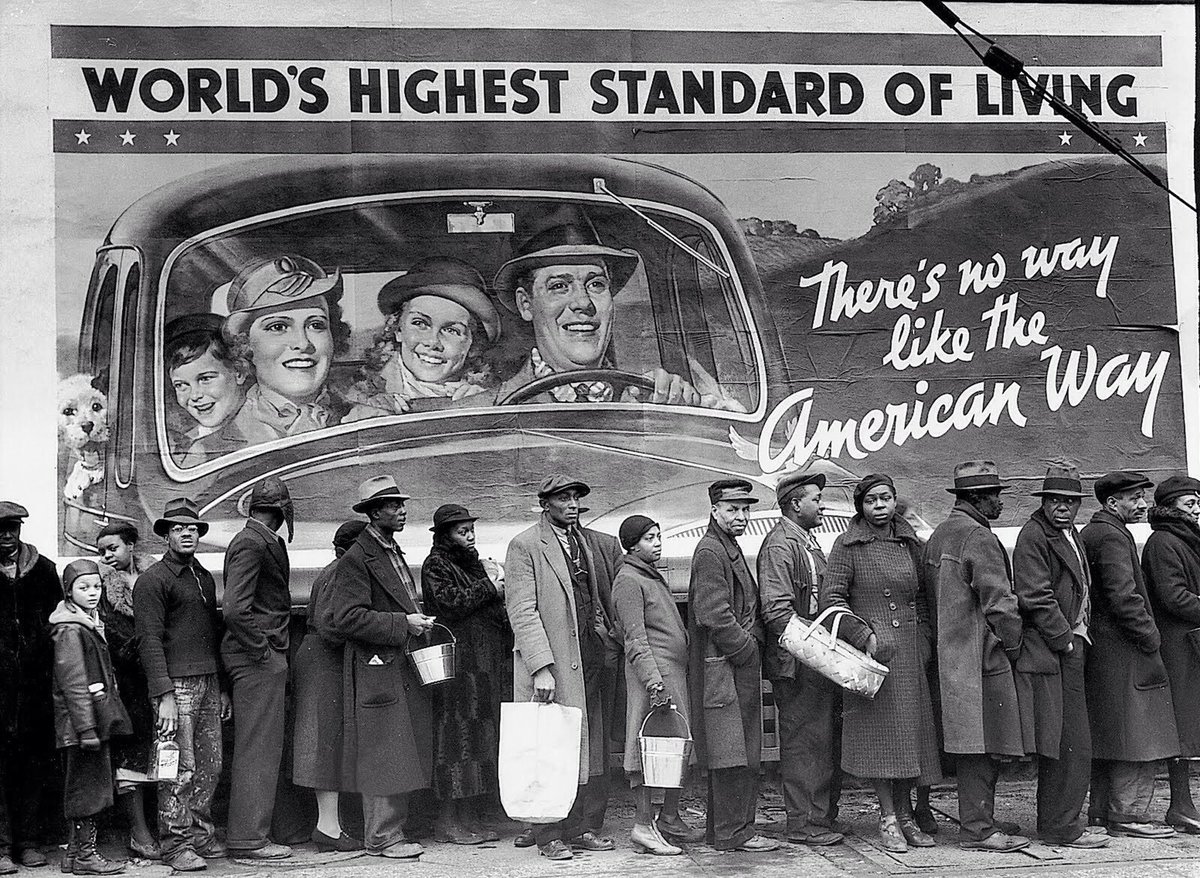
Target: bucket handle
x,y
408,649
671,708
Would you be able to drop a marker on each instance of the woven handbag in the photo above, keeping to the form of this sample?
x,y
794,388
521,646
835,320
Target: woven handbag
x,y
821,650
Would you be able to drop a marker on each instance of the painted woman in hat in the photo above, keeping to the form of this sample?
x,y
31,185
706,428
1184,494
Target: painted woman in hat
x,y
466,710
285,325
439,321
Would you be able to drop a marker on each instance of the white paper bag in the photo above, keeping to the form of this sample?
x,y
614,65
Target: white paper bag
x,y
539,760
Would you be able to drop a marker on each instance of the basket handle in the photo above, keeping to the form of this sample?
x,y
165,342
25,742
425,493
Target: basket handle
x,y
409,648
838,613
671,708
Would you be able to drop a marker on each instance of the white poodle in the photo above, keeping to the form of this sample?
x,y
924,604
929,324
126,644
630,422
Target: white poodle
x,y
83,430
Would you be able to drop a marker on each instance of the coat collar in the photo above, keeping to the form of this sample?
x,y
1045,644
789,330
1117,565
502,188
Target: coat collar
x,y
272,539
858,531
727,542
1103,516
1057,540
640,566
376,558
553,552
972,513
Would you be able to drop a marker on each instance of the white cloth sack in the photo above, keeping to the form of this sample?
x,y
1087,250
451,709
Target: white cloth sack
x,y
539,760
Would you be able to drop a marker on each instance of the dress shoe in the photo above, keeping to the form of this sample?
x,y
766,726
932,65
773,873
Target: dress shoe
x,y
146,851
926,822
186,861
557,849
525,838
998,843
758,844
646,840
1087,841
214,850
7,866
913,834
589,841
32,858
679,832
1007,827
1183,822
344,843
891,837
1140,830
269,851
401,850
815,836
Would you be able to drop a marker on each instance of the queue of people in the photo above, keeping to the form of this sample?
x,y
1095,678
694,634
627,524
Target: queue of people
x,y
1076,652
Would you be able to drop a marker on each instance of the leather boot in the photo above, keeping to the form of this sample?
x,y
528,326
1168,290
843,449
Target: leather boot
x,y
88,860
68,861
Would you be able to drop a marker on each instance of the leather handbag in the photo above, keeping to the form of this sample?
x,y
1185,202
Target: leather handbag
x,y
820,649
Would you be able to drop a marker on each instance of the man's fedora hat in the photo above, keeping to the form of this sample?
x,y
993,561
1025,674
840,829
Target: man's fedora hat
x,y
451,513
180,511
731,490
1116,482
794,481
977,475
284,281
10,511
556,482
1061,481
563,245
448,278
377,490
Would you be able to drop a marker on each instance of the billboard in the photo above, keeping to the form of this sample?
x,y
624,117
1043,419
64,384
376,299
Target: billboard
x,y
471,255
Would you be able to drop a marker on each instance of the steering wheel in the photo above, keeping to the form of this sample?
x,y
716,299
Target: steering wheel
x,y
618,378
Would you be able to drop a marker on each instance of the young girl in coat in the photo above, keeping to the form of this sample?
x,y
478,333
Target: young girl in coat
x,y
87,713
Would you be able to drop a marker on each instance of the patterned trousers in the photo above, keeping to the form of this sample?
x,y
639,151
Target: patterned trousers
x,y
185,804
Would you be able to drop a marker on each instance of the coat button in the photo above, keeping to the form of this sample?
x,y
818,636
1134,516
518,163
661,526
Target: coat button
x,y
912,603
574,666
572,632
893,606
895,623
887,592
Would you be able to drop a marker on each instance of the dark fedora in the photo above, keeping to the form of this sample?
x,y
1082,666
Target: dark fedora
x,y
563,245
451,513
556,482
179,511
977,475
377,490
1061,481
448,278
790,483
1116,482
731,490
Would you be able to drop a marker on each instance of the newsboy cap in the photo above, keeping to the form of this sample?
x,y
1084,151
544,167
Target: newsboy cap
x,y
1061,481
347,533
179,511
794,481
731,490
374,491
10,511
556,482
1175,486
977,475
1116,482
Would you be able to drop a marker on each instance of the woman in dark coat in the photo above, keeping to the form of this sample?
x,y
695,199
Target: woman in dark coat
x,y
1171,563
123,563
874,570
466,710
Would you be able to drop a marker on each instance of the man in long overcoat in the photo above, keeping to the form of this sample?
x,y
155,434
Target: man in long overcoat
x,y
978,628
256,605
808,706
388,733
725,636
561,630
1052,584
1128,694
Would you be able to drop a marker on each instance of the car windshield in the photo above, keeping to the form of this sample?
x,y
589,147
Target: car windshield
x,y
337,314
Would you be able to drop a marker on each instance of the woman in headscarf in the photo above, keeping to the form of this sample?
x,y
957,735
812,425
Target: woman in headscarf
x,y
1171,563
874,570
457,590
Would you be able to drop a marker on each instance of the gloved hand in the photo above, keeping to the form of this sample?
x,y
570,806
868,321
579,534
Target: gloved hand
x,y
659,696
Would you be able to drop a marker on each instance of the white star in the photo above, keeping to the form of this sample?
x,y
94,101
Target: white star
x,y
82,136
172,138
1140,139
127,138
1064,139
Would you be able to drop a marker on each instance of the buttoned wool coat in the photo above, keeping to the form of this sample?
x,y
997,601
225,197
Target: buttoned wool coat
x,y
1171,564
978,629
388,728
1050,586
725,637
540,601
1128,696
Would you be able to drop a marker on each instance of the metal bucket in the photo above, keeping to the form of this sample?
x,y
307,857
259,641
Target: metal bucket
x,y
664,759
434,663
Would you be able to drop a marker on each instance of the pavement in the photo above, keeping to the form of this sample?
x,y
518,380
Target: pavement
x,y
860,855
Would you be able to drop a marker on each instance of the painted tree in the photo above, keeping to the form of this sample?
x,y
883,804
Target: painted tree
x,y
924,177
894,200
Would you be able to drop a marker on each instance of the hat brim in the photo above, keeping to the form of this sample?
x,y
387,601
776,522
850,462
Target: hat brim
x,y
621,266
1059,492
972,490
364,505
738,498
162,525
475,301
449,521
239,321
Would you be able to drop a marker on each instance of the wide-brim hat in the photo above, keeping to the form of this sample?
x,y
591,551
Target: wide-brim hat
x,y
556,482
563,245
449,279
1061,481
180,511
731,490
377,490
977,475
451,513
286,281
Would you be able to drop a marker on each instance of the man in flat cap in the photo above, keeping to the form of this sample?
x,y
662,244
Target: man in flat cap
x,y
387,735
178,625
257,605
978,625
561,629
725,636
1128,695
808,706
1053,585
29,592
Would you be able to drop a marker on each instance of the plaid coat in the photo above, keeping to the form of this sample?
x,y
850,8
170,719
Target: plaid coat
x,y
880,581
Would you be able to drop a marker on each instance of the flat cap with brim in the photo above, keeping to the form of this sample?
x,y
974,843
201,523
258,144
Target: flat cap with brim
x,y
451,513
1116,482
379,489
1061,481
731,490
180,511
76,569
283,282
448,279
556,482
795,481
977,475
563,245
1175,486
10,510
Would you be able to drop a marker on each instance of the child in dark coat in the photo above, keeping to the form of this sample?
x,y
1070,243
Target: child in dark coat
x,y
87,713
